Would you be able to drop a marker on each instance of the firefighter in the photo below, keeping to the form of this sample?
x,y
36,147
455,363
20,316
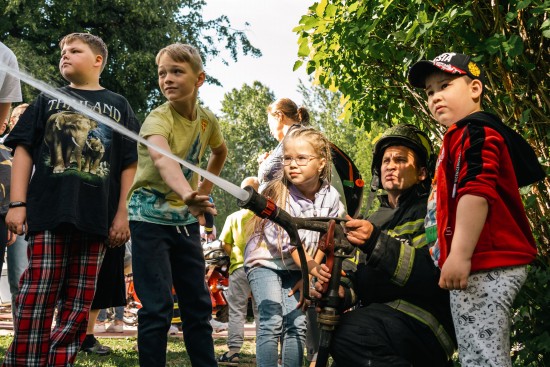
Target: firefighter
x,y
403,318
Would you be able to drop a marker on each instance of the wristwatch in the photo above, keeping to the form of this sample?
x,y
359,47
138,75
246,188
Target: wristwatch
x,y
16,204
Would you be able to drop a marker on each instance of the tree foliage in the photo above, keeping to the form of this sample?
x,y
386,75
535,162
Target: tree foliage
x,y
326,114
244,125
245,129
364,50
134,31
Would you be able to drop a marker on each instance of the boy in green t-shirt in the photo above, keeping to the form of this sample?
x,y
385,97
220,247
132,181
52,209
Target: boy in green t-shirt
x,y
166,206
234,236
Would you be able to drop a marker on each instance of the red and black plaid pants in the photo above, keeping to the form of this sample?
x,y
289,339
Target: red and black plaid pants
x,y
62,273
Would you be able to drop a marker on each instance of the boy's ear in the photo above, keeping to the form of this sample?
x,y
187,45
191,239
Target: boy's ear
x,y
476,87
200,79
99,60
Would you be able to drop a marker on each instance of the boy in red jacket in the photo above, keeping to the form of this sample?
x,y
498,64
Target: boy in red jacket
x,y
485,241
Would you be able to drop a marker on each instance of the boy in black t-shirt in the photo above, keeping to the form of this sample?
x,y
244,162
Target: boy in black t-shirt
x,y
71,208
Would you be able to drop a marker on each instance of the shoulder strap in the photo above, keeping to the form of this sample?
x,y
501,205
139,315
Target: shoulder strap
x,y
351,179
526,165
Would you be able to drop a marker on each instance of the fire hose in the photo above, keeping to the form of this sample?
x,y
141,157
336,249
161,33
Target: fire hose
x,y
333,243
248,199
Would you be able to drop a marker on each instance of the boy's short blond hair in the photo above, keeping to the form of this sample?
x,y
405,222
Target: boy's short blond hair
x,y
181,52
96,44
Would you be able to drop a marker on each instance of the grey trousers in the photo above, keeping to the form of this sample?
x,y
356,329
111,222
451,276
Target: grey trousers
x,y
237,300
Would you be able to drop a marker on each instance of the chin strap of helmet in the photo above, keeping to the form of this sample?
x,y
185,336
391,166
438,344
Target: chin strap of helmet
x,y
374,183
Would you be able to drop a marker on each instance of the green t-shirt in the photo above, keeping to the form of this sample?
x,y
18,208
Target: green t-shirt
x,y
150,199
233,233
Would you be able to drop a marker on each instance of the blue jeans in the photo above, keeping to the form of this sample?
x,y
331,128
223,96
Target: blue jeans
x,y
119,314
161,256
17,263
279,317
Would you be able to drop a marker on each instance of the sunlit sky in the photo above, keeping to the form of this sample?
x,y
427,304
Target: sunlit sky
x,y
270,29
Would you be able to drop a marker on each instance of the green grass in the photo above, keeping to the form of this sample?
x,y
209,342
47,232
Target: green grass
x,y
125,356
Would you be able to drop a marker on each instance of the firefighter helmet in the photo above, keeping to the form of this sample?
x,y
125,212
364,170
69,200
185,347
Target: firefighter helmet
x,y
407,135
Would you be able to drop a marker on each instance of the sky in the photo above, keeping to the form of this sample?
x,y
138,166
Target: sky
x,y
270,29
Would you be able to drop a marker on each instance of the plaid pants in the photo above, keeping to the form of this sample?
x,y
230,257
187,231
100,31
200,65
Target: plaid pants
x,y
62,272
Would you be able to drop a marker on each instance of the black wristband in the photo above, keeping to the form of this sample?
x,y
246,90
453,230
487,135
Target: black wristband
x,y
16,204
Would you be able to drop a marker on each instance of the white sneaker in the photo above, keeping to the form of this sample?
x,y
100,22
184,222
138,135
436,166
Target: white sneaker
x,y
218,326
114,328
173,330
99,327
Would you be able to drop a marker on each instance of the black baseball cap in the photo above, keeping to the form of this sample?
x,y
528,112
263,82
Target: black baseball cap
x,y
449,62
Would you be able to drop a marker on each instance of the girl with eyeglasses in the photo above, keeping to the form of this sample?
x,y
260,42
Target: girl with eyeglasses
x,y
271,262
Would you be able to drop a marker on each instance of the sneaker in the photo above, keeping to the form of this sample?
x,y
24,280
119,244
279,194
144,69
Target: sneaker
x,y
99,327
225,360
173,330
218,326
115,328
97,348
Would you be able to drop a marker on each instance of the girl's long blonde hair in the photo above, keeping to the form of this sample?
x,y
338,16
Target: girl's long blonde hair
x,y
277,189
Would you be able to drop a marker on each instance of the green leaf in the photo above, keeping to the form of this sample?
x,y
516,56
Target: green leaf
x,y
515,46
523,4
320,10
353,7
330,11
525,116
310,67
303,50
511,16
411,31
297,65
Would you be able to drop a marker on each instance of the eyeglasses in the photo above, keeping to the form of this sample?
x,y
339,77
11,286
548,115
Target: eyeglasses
x,y
301,160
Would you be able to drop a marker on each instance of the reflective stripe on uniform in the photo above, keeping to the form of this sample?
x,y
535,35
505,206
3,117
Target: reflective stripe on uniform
x,y
407,228
404,265
427,319
419,241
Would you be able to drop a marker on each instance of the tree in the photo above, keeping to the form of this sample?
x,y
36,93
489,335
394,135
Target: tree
x,y
325,108
244,126
133,30
364,50
326,114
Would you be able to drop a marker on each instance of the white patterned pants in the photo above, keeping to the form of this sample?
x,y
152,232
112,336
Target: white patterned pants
x,y
481,316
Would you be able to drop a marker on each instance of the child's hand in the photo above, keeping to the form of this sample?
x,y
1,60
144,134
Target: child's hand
x,y
455,272
303,303
11,238
317,289
119,232
198,205
16,220
321,272
210,237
